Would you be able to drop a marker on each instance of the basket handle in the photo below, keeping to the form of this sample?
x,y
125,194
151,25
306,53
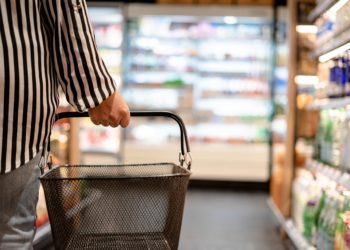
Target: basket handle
x,y
184,155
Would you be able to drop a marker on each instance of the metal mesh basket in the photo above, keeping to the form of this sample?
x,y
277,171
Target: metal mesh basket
x,y
134,207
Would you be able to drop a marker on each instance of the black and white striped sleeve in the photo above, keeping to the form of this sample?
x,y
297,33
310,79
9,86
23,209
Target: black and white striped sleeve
x,y
80,69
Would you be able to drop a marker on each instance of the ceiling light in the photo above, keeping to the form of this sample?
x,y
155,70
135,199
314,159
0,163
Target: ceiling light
x,y
230,19
306,80
306,29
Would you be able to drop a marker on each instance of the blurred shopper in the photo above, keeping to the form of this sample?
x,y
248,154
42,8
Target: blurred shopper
x,y
44,44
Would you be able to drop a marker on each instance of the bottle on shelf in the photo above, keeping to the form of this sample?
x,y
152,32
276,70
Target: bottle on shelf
x,y
332,141
335,79
335,209
338,120
346,235
344,162
327,223
344,74
343,206
309,219
300,196
327,138
332,79
347,85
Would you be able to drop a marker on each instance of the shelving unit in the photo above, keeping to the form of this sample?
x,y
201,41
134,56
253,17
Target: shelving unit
x,y
329,103
294,235
304,189
337,38
320,9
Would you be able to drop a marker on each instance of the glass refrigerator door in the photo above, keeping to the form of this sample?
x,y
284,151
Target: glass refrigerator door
x,y
215,72
99,144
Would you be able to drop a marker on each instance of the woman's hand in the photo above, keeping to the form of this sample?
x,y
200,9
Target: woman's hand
x,y
111,112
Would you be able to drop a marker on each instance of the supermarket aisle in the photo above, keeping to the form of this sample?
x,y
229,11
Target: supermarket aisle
x,y
226,220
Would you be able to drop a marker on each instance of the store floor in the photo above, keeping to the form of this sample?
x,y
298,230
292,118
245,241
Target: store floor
x,y
228,220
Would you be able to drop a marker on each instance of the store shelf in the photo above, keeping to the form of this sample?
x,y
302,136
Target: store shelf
x,y
336,40
232,59
320,9
329,103
287,224
159,71
237,94
233,39
232,74
201,39
150,56
339,176
158,86
106,47
167,38
245,72
152,60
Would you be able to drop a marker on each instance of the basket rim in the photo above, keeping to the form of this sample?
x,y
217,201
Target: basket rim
x,y
45,177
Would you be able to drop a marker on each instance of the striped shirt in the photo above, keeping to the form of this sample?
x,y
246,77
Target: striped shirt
x,y
44,44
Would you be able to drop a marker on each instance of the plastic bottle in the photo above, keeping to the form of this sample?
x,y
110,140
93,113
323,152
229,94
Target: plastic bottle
x,y
339,243
346,146
338,89
300,196
332,79
328,139
320,207
321,224
344,74
309,219
327,223
322,132
331,221
337,118
344,220
347,230
347,86
344,142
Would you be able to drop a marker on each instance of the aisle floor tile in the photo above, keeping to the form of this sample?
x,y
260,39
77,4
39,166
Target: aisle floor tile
x,y
226,220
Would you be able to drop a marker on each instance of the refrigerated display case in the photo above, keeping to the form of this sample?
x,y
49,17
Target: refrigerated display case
x,y
211,65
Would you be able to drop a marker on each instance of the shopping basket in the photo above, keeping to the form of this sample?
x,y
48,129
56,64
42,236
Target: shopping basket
x,y
131,206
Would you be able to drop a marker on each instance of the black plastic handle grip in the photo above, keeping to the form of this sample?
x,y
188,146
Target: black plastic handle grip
x,y
185,147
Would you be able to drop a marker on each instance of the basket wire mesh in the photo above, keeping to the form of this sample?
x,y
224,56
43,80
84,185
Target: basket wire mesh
x,y
116,207
132,206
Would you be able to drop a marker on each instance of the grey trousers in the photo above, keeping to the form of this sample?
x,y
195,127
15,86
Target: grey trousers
x,y
18,199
